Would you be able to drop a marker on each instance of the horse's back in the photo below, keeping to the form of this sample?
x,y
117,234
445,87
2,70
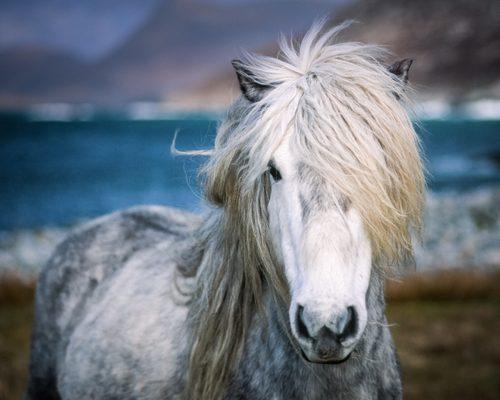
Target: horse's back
x,y
114,265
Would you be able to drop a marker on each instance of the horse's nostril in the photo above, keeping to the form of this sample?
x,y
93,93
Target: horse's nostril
x,y
301,327
348,325
342,328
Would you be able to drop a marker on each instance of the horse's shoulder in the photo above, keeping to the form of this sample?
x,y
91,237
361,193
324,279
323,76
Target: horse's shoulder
x,y
128,257
96,250
120,233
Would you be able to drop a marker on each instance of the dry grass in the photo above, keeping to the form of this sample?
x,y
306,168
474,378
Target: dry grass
x,y
16,291
16,314
445,285
448,349
15,329
446,330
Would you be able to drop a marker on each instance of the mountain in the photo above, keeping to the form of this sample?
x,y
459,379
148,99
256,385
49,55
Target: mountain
x,y
183,43
87,29
455,45
36,72
187,41
181,54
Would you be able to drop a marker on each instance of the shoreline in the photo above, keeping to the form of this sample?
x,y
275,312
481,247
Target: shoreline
x,y
461,231
425,109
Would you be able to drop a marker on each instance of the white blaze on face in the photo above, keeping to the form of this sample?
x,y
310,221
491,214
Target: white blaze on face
x,y
324,250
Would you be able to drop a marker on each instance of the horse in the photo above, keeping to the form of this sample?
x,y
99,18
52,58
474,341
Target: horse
x,y
314,190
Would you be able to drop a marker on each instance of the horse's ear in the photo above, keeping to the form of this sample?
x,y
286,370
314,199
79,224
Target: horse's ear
x,y
401,69
250,88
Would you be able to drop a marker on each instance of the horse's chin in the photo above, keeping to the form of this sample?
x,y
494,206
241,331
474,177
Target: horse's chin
x,y
329,361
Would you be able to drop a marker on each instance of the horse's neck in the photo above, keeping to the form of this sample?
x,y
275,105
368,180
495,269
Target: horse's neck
x,y
269,355
270,359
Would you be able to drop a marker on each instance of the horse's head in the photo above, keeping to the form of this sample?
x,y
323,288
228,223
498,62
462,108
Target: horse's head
x,y
320,158
320,240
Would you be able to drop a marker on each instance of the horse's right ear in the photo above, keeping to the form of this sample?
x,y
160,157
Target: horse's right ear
x,y
401,69
250,88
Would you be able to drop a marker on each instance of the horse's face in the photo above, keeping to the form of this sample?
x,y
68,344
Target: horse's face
x,y
326,254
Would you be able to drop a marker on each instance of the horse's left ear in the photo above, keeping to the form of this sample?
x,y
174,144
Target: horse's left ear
x,y
401,69
250,88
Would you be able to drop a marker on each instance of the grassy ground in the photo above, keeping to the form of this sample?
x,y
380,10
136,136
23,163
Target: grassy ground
x,y
446,328
448,349
16,314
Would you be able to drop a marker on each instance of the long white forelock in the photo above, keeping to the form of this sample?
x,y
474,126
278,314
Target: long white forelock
x,y
316,62
345,114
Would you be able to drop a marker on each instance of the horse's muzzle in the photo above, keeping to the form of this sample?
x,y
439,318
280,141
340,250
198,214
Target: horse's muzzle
x,y
332,343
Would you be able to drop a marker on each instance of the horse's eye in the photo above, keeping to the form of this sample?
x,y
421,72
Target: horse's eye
x,y
274,171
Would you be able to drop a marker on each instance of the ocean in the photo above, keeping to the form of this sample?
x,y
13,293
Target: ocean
x,y
57,173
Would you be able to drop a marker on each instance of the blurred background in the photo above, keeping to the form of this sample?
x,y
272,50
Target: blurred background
x,y
92,91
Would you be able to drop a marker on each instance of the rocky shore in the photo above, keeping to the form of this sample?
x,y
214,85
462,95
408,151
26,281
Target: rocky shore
x,y
462,231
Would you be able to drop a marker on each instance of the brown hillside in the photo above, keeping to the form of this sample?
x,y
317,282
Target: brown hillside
x,y
455,44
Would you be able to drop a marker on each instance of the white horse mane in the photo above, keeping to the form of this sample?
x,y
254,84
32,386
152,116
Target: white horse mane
x,y
346,117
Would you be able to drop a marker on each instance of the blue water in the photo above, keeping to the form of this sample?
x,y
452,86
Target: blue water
x,y
56,173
